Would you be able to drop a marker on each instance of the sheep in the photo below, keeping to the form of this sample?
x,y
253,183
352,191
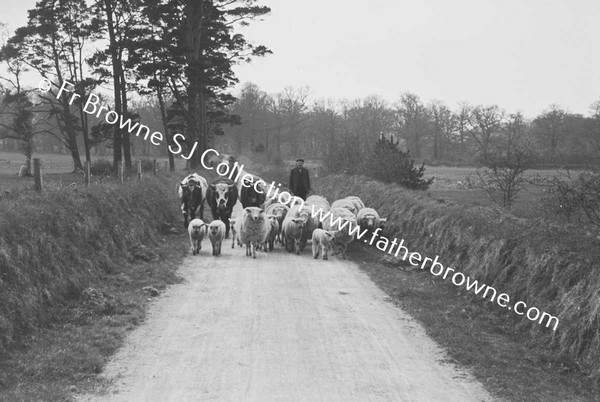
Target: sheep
x,y
315,203
196,230
321,242
345,226
369,219
356,201
274,232
280,211
347,204
216,234
318,200
236,215
310,223
254,227
292,231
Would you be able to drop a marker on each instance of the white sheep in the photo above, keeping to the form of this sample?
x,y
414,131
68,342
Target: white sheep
x,y
321,242
196,230
216,234
318,199
273,232
310,223
292,231
254,227
280,211
236,215
358,204
345,223
347,204
369,219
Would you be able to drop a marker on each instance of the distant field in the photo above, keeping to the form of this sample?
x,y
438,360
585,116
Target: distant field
x,y
449,185
54,167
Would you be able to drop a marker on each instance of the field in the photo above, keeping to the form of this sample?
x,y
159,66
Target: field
x,y
450,185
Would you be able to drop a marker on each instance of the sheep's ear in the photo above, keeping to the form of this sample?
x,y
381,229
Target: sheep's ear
x,y
232,220
212,186
382,219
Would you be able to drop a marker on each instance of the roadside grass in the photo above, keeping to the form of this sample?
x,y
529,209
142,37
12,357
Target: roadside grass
x,y
64,357
72,277
478,335
549,266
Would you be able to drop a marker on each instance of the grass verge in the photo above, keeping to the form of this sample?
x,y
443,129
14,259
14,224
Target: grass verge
x,y
478,335
74,263
548,266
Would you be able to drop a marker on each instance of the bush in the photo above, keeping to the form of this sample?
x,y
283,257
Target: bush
x,y
502,179
102,167
384,162
391,165
571,198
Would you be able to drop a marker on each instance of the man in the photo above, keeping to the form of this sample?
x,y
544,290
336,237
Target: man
x,y
299,181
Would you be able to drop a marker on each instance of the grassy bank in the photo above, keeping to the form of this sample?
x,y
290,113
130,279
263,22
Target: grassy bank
x,y
73,265
547,266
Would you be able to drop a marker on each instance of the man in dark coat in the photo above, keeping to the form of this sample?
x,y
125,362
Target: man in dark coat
x,y
299,180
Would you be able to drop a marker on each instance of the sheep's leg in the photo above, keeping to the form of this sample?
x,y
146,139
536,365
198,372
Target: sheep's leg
x,y
253,248
315,250
324,251
297,246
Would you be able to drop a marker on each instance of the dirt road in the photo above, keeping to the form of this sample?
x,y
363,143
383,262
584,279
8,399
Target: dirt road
x,y
284,328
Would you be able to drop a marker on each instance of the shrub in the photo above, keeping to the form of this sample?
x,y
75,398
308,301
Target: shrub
x,y
102,167
502,178
571,198
392,165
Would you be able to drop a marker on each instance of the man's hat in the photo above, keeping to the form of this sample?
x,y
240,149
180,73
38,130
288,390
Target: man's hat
x,y
299,160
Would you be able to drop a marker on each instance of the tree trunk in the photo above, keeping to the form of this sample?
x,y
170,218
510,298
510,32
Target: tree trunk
x,y
117,144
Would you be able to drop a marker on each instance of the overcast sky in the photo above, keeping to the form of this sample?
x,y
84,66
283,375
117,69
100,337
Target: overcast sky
x,y
520,54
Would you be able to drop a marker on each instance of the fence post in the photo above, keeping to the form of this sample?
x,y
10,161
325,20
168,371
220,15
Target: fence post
x,y
37,172
88,172
120,171
155,167
139,169
166,166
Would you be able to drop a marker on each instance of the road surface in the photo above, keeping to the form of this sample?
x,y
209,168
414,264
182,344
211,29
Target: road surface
x,y
280,328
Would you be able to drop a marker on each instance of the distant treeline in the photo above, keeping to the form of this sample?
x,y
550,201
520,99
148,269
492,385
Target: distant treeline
x,y
287,124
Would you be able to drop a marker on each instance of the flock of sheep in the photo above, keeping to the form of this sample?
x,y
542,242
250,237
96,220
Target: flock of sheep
x,y
329,230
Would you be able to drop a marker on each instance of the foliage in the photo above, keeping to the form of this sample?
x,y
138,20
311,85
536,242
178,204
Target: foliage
x,y
101,167
502,178
573,198
392,165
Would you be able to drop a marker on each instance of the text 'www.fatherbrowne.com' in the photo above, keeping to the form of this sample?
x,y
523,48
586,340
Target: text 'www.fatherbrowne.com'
x,y
437,269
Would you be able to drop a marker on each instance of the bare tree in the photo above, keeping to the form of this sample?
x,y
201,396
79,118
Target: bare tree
x,y
412,116
487,120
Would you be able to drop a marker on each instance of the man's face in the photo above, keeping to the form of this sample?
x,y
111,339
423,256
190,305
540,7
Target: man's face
x,y
299,164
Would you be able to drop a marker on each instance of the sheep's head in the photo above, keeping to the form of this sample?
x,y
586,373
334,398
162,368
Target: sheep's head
x,y
254,214
214,229
330,234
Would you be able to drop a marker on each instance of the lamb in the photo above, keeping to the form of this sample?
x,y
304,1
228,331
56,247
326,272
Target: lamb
x,y
273,232
345,226
321,242
347,204
369,219
196,230
280,211
292,231
216,234
356,201
310,223
254,227
236,215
